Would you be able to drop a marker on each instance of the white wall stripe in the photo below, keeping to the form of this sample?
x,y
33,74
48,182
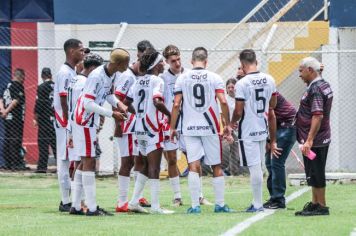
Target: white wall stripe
x,y
259,216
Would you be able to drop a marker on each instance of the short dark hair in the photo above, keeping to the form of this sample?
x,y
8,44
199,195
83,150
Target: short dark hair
x,y
71,43
171,50
148,57
143,45
231,81
46,72
92,59
248,56
199,54
19,72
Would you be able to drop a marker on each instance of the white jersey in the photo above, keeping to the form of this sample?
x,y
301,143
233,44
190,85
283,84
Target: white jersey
x,y
63,77
256,90
200,112
148,118
169,82
97,87
74,91
122,86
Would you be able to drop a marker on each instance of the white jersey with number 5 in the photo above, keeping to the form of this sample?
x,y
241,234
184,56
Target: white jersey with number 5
x,y
200,116
148,118
256,90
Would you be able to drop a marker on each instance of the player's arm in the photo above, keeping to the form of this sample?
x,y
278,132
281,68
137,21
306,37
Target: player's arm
x,y
175,113
238,111
224,108
272,126
15,93
159,104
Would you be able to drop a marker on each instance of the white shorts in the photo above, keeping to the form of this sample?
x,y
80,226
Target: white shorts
x,y
252,152
207,146
169,146
145,148
73,153
87,142
61,143
127,145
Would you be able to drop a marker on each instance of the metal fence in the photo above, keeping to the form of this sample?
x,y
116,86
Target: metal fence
x,y
279,45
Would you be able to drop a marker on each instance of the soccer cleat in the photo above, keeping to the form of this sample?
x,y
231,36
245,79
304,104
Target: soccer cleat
x,y
123,208
204,202
73,211
223,209
64,207
144,203
177,202
252,209
309,206
161,211
194,210
98,212
137,208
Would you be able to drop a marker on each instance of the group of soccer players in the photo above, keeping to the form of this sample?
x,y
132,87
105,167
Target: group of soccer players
x,y
156,112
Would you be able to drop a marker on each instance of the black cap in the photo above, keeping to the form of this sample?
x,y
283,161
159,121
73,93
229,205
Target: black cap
x,y
46,72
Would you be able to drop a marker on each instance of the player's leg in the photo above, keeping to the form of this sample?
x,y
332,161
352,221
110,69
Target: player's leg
x,y
171,156
139,166
63,169
126,146
77,191
88,174
213,155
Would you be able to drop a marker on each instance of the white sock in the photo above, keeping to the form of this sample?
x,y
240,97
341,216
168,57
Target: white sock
x,y
124,185
64,180
138,189
256,179
89,189
219,190
77,190
175,187
154,194
201,187
194,188
136,173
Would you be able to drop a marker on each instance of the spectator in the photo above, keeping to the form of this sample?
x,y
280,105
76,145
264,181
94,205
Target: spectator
x,y
313,133
44,117
286,135
12,108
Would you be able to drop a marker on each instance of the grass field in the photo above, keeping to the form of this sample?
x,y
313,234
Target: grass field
x,y
29,206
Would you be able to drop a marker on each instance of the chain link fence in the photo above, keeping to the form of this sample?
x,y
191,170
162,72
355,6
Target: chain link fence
x,y
280,44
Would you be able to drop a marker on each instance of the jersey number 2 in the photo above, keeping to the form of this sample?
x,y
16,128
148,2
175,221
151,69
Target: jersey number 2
x,y
142,94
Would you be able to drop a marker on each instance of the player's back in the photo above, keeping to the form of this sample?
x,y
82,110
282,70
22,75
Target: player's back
x,y
145,89
200,109
256,90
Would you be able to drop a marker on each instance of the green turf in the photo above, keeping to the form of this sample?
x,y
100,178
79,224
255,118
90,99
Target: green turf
x,y
29,206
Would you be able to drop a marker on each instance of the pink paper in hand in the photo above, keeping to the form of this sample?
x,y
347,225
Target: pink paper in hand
x,y
311,154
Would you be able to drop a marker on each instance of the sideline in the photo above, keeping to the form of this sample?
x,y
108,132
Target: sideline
x,y
259,216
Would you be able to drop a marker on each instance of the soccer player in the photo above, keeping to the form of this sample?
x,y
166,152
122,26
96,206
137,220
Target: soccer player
x,y
97,89
91,62
197,90
255,96
74,51
147,97
172,55
126,140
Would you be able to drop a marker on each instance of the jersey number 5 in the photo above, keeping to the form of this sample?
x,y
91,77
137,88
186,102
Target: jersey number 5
x,y
259,97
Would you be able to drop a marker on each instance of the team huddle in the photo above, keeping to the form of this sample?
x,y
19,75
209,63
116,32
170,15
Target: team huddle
x,y
157,112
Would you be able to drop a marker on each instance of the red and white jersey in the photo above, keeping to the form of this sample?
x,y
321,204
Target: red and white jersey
x,y
148,118
170,79
200,112
63,77
97,87
74,91
122,86
256,90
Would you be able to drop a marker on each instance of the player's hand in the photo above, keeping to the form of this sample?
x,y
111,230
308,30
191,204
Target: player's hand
x,y
122,107
306,147
119,116
275,151
4,113
35,124
70,142
173,136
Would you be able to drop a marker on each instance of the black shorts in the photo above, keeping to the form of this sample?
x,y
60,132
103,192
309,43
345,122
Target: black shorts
x,y
315,169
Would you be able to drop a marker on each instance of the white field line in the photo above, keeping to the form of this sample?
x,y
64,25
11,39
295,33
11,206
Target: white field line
x,y
353,233
259,216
